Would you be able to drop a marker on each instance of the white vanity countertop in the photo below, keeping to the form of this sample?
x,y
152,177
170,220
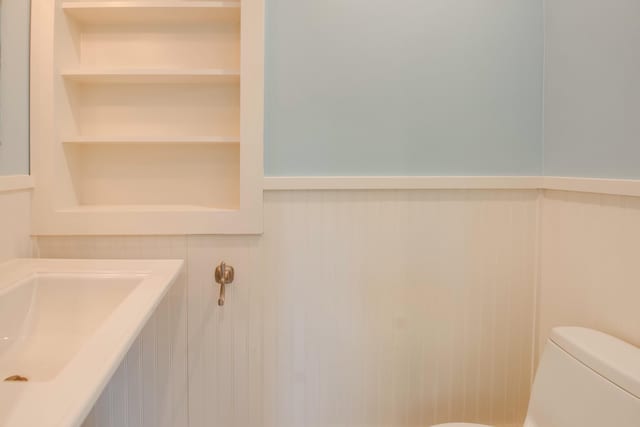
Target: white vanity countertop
x,y
118,296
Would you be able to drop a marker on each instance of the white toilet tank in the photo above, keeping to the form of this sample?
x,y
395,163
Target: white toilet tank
x,y
586,379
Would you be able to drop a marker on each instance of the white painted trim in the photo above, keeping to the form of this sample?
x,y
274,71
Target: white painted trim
x,y
619,187
15,183
403,183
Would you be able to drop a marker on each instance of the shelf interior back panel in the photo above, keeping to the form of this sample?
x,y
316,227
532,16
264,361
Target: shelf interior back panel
x,y
162,174
154,110
157,45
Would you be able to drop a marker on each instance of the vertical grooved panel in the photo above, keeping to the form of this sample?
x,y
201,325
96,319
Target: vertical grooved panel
x,y
590,270
354,308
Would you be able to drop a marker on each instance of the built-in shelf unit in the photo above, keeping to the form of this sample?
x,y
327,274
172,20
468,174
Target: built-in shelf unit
x,y
147,117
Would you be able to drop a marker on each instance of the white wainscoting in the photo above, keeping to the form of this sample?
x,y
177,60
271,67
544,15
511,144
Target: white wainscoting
x,y
15,224
590,269
355,308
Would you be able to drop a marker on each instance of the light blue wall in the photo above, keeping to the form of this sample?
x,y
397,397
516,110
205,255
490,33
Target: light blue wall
x,y
14,87
592,93
404,87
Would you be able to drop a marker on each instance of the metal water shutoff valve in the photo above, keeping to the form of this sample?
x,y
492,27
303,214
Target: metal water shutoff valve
x,y
224,275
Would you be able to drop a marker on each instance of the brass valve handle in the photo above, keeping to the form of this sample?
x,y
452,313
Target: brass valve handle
x,y
224,275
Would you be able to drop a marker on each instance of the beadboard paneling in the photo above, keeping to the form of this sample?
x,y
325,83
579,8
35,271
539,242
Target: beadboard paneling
x,y
368,308
15,224
590,274
355,308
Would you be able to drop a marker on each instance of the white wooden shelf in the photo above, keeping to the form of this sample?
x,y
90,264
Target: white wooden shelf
x,y
142,208
140,107
151,75
151,140
103,12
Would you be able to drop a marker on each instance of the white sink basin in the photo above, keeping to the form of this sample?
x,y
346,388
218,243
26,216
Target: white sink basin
x,y
65,325
45,319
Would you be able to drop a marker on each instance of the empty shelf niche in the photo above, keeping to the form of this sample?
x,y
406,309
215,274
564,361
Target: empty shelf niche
x,y
189,174
183,110
145,34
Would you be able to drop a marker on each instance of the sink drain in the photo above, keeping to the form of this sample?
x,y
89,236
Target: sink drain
x,y
18,378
